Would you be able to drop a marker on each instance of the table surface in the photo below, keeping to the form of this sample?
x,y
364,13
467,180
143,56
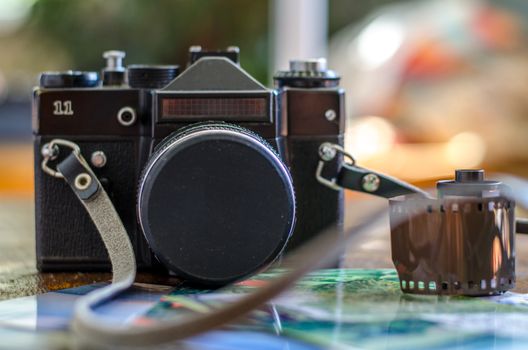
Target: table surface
x,y
19,277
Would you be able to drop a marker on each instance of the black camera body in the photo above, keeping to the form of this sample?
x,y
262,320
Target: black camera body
x,y
200,165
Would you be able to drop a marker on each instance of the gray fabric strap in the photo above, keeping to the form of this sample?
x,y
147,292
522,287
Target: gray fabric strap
x,y
92,331
102,212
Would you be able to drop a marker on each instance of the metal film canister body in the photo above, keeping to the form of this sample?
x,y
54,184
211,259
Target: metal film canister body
x,y
453,245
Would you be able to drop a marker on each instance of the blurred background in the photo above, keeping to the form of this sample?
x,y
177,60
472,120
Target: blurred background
x,y
431,85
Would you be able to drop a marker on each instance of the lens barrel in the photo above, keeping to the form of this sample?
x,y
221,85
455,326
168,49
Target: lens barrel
x,y
216,203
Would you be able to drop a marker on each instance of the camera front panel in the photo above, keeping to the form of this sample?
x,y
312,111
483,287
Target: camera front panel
x,y
111,125
91,111
66,237
312,116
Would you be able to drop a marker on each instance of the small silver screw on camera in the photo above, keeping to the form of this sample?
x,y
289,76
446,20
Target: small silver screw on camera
x,y
330,115
82,181
98,159
49,152
370,182
327,152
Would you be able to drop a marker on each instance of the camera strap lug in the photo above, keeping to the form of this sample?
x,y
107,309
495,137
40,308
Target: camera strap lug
x,y
352,177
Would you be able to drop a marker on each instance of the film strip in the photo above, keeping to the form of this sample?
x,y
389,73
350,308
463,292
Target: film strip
x,y
453,245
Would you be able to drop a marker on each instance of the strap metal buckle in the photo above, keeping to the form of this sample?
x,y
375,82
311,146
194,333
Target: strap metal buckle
x,y
50,151
327,152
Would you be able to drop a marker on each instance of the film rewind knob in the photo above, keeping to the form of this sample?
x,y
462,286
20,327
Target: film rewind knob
x,y
308,65
463,175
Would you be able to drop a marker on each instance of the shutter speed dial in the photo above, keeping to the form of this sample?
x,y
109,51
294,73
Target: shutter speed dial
x,y
151,76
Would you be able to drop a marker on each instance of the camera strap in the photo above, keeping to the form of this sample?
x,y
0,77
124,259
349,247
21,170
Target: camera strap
x,y
319,252
90,329
84,183
355,178
352,177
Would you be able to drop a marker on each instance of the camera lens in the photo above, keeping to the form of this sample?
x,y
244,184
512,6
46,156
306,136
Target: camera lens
x,y
216,203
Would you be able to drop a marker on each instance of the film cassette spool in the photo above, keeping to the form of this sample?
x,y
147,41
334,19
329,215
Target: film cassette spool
x,y
453,246
461,243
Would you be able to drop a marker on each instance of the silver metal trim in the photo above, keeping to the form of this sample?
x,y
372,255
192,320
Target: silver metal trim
x,y
123,111
98,159
82,181
370,182
309,65
324,157
330,115
114,59
233,49
49,152
324,181
65,143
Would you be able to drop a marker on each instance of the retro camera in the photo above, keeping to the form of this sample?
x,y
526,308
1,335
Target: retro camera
x,y
211,172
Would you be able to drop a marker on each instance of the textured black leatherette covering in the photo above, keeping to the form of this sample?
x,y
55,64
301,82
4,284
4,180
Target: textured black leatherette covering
x,y
66,238
318,207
